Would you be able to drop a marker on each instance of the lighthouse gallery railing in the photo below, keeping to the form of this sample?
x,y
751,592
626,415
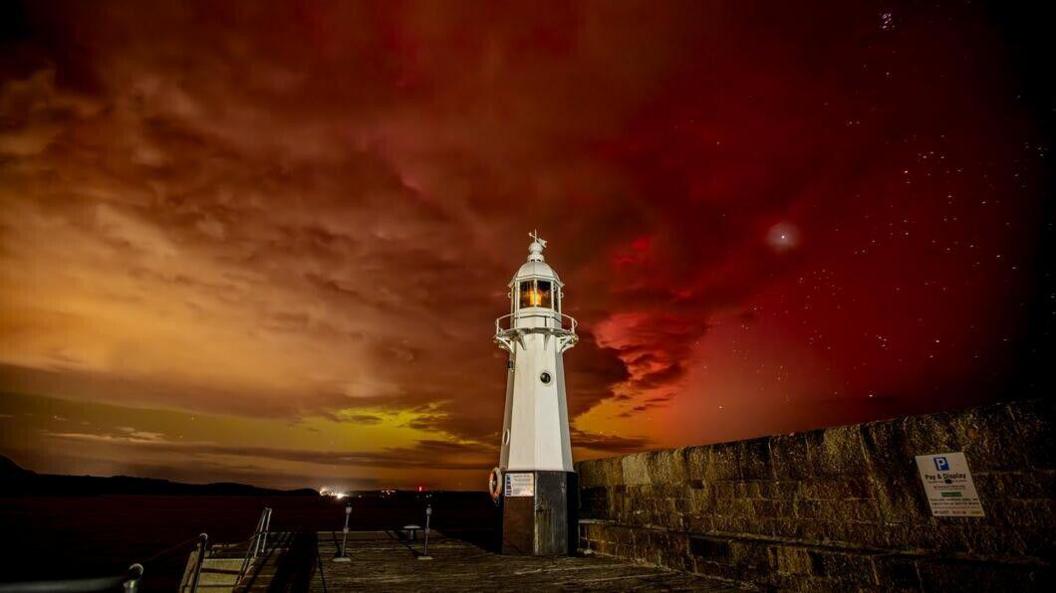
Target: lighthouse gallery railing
x,y
557,322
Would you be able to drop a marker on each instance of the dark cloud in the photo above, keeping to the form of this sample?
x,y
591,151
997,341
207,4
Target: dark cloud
x,y
202,471
611,444
435,455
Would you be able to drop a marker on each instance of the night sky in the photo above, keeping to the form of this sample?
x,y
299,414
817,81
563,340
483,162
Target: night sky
x,y
268,243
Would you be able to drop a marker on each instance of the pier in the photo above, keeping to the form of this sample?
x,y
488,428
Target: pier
x,y
388,561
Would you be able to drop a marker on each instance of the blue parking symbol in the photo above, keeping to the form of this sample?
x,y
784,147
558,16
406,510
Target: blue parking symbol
x,y
942,464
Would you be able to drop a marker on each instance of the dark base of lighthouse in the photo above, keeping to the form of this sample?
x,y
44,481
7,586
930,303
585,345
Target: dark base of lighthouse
x,y
544,523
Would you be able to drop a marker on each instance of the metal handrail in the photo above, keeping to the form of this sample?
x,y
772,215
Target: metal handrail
x,y
259,539
203,546
267,530
129,581
501,328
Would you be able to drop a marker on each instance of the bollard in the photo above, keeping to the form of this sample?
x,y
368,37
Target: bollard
x,y
428,513
342,551
135,572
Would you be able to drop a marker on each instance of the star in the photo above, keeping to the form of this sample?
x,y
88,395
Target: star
x,y
783,236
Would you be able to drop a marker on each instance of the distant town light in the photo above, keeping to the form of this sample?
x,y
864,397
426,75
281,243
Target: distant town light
x,y
332,492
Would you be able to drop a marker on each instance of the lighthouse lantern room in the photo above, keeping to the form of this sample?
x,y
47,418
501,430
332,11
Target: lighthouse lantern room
x,y
535,478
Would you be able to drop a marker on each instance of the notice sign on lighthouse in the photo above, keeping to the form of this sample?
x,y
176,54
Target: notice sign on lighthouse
x,y
520,485
948,484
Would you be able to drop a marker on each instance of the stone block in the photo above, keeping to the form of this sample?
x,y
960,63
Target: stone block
x,y
724,463
668,549
756,461
732,524
857,510
790,560
1030,522
695,460
951,575
924,435
667,467
724,490
883,535
709,548
987,442
987,540
836,451
895,574
837,488
893,473
1035,431
635,469
778,527
783,490
701,500
999,485
821,531
786,528
749,557
599,472
825,585
715,569
805,508
789,457
594,503
698,523
762,508
851,567
827,488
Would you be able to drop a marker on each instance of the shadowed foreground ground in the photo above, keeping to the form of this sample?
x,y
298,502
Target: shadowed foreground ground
x,y
66,537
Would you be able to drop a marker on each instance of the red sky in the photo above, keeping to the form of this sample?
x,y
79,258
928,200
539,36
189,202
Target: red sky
x,y
267,244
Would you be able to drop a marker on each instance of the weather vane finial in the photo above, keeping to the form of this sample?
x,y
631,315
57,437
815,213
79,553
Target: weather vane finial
x,y
535,237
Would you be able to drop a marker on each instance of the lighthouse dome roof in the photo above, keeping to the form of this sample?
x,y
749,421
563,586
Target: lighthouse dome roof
x,y
536,269
536,266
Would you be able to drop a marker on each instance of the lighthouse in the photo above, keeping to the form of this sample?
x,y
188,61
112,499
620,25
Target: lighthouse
x,y
535,480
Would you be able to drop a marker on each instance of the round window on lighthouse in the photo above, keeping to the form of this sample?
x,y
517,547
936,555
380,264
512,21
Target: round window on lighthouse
x,y
545,377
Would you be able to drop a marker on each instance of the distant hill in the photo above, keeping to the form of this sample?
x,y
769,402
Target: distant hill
x,y
18,481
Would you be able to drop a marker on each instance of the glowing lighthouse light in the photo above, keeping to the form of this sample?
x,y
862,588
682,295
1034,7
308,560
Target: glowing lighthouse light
x,y
535,472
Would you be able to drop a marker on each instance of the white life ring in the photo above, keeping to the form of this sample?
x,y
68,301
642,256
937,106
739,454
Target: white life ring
x,y
495,484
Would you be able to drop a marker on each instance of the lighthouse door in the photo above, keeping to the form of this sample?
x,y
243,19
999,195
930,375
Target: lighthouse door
x,y
556,528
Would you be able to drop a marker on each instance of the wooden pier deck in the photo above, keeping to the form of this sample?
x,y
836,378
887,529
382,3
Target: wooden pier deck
x,y
385,561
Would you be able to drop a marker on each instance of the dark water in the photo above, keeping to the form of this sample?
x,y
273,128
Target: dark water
x,y
73,537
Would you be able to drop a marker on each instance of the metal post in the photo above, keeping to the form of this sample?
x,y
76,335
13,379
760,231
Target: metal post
x,y
203,544
135,572
342,551
428,513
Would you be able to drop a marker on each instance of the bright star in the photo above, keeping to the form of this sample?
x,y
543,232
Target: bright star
x,y
783,236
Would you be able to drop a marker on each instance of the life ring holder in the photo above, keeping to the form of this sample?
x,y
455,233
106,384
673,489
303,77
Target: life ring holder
x,y
495,484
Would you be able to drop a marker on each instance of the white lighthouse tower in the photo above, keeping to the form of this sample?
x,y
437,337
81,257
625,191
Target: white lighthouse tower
x,y
535,476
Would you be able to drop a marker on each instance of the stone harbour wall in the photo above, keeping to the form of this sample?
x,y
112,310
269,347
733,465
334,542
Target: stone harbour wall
x,y
839,509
